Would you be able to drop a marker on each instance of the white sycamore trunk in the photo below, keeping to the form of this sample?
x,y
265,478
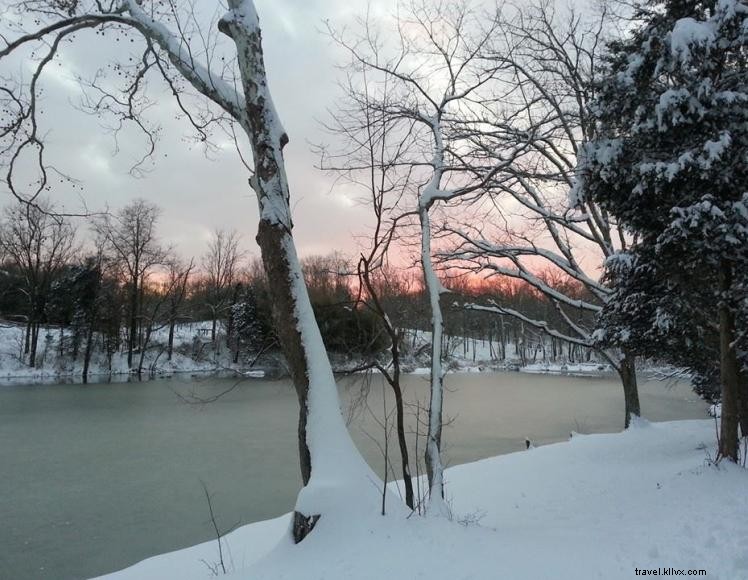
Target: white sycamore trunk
x,y
428,196
337,477
434,466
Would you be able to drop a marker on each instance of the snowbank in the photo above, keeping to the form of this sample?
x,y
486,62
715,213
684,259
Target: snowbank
x,y
598,506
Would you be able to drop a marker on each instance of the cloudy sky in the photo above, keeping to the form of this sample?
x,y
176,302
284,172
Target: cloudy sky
x,y
196,194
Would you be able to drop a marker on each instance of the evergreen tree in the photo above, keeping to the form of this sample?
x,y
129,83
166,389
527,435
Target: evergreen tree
x,y
671,164
248,331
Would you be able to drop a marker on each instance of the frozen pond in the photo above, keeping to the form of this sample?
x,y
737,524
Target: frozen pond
x,y
97,477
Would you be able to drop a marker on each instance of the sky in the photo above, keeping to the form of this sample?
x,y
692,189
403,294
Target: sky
x,y
196,194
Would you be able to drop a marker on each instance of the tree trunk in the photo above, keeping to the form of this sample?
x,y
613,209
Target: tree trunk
x,y
278,271
27,337
144,347
326,451
627,372
400,417
170,347
393,380
729,368
139,320
133,321
34,343
88,351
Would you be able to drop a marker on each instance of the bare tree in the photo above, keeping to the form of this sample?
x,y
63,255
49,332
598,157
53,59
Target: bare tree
x,y
221,265
360,128
385,188
177,285
130,236
547,56
216,83
417,92
96,270
40,245
161,307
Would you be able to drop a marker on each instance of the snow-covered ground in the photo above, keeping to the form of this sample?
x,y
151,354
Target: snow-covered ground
x,y
598,506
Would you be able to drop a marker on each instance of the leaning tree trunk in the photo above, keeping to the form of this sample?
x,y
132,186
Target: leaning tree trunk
x,y
729,369
627,372
326,451
272,242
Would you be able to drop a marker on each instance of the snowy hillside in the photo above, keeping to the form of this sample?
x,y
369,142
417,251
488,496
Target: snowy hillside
x,y
598,506
192,353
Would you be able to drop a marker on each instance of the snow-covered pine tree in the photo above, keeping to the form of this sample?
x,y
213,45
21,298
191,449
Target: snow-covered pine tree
x,y
671,163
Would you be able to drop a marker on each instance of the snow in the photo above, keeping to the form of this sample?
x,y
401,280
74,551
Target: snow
x,y
243,12
338,469
601,153
635,61
597,506
687,33
714,149
669,108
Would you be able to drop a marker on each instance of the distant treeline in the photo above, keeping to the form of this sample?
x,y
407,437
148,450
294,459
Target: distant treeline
x,y
131,288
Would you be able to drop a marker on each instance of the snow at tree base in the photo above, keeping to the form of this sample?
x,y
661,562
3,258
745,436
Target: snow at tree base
x,y
598,506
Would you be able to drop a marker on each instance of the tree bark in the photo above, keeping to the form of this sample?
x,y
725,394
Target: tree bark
x,y
270,238
743,403
170,347
133,321
407,478
27,337
34,343
400,418
729,368
627,372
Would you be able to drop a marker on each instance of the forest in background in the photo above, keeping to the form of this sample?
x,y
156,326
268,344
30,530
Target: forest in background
x,y
132,294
